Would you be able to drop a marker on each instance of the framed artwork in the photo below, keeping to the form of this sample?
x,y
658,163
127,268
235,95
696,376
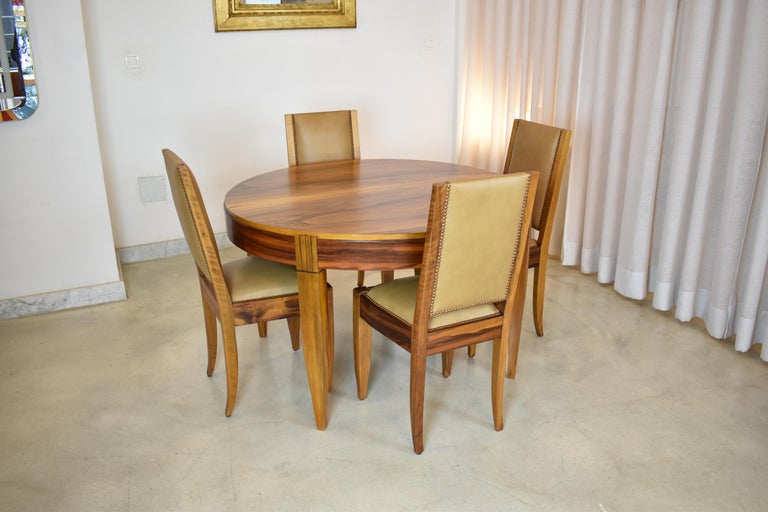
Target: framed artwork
x,y
283,14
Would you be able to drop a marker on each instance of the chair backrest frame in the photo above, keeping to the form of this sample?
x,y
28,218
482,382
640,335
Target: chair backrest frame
x,y
195,223
542,148
431,300
314,137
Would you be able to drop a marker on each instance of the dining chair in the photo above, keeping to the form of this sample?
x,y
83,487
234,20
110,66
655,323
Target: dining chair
x,y
542,148
474,256
244,291
314,137
322,137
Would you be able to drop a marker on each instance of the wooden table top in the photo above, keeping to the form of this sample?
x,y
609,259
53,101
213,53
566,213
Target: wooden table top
x,y
343,203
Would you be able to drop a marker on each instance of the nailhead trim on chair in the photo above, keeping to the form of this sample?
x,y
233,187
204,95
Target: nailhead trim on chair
x,y
548,192
440,251
518,237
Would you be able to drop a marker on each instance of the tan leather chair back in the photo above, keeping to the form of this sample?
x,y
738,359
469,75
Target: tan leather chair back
x,y
541,148
476,257
193,216
322,136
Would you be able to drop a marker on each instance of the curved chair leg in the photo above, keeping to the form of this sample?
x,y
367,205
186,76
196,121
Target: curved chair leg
x,y
210,335
294,328
329,347
539,279
516,326
360,278
500,348
262,329
418,377
514,347
230,358
361,345
447,359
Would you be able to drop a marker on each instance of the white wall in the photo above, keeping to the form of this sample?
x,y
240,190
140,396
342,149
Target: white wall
x,y
55,232
218,99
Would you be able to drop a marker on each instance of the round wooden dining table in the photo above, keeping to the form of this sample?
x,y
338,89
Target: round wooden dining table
x,y
346,214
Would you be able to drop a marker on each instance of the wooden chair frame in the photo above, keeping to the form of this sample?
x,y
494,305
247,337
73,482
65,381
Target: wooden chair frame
x,y
216,297
543,219
422,342
545,205
291,124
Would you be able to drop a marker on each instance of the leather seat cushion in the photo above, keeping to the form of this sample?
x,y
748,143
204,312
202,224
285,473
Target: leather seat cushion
x,y
399,298
256,278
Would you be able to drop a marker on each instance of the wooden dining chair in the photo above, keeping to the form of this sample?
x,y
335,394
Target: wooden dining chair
x,y
322,137
542,148
474,256
314,137
245,291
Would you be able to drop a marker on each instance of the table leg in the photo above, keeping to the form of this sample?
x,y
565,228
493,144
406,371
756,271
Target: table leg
x,y
314,324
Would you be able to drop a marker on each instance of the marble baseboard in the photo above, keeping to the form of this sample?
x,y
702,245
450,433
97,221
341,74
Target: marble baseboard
x,y
160,250
65,299
98,294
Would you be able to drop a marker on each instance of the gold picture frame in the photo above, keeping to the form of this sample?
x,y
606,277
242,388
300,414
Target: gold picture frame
x,y
283,14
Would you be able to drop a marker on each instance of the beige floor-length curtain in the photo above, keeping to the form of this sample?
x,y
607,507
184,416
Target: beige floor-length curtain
x,y
668,100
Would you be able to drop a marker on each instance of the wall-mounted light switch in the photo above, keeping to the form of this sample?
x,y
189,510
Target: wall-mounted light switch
x,y
132,62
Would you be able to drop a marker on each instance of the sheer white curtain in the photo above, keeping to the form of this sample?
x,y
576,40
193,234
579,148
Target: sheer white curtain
x,y
668,102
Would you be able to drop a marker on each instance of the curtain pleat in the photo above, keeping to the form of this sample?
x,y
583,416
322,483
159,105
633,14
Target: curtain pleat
x,y
668,103
683,194
652,70
738,252
709,173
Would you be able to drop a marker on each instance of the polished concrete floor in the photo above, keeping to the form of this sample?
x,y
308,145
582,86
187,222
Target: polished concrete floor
x,y
617,408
